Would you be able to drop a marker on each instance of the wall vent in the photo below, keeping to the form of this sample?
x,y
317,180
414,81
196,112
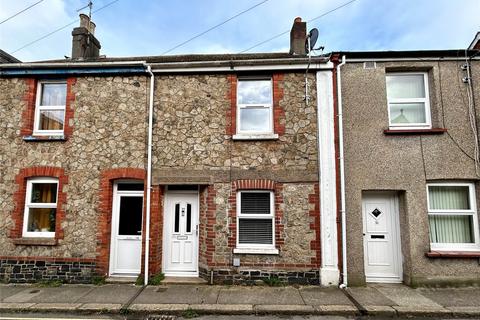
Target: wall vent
x,y
369,65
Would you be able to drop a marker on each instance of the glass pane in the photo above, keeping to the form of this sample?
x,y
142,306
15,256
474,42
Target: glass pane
x,y
44,193
451,229
189,217
41,220
405,86
51,120
53,94
407,113
255,119
176,227
130,223
255,202
255,231
254,92
130,187
449,197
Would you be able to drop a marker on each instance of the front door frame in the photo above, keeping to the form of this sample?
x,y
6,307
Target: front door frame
x,y
166,239
396,238
116,194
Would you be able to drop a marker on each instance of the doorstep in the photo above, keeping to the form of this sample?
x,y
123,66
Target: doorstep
x,y
120,280
183,280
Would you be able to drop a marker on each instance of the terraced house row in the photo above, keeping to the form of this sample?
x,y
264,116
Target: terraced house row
x,y
339,168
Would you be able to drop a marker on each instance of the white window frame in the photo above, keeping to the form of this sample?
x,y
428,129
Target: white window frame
x,y
255,248
475,246
29,205
39,108
268,106
426,101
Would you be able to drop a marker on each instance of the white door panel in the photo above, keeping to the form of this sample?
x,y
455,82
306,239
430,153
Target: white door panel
x,y
181,234
383,262
126,241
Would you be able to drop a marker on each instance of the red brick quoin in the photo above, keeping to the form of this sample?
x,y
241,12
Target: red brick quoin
x,y
28,114
256,184
20,193
278,110
105,211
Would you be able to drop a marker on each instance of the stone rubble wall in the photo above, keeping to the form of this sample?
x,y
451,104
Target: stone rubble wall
x,y
109,131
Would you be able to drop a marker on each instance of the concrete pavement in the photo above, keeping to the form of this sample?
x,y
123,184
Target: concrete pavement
x,y
373,300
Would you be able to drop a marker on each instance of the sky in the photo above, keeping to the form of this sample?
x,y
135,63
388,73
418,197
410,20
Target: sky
x,y
151,27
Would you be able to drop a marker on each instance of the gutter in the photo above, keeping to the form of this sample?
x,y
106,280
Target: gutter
x,y
344,283
149,173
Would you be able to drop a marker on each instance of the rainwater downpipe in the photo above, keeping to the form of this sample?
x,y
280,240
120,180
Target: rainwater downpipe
x,y
149,174
344,283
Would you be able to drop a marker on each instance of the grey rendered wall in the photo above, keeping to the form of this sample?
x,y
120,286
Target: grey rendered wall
x,y
375,161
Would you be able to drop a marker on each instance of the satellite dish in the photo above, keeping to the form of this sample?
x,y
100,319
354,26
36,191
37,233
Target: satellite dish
x,y
313,36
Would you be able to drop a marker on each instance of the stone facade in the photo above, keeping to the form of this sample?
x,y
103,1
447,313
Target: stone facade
x,y
193,144
107,132
404,164
106,140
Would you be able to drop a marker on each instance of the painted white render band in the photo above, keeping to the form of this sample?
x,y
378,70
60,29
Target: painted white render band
x,y
329,273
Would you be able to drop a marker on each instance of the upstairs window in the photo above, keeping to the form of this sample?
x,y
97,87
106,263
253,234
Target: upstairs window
x,y
50,108
408,100
255,106
452,216
255,220
40,207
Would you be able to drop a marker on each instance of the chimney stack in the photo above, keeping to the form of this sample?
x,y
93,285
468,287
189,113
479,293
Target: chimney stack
x,y
84,44
298,35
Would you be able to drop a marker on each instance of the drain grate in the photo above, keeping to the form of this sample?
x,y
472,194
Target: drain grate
x,y
34,291
160,317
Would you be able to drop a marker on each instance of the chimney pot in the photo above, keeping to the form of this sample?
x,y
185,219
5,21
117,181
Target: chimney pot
x,y
84,43
298,35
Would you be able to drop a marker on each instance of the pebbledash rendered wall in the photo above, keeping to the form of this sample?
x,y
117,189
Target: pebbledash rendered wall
x,y
192,144
405,163
105,137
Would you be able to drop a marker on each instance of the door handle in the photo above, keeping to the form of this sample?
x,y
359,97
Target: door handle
x,y
196,229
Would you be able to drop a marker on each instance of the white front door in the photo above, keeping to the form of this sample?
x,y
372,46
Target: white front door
x,y
180,234
126,245
381,238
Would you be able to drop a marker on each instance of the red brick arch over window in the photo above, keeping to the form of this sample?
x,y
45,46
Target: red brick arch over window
x,y
256,184
19,197
107,179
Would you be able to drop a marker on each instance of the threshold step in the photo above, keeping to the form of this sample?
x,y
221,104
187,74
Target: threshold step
x,y
120,280
184,280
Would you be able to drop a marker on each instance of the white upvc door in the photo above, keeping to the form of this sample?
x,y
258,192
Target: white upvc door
x,y
180,234
126,243
381,238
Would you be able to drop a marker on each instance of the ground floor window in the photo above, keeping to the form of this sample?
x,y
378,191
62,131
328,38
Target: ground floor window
x,y
255,219
40,207
452,216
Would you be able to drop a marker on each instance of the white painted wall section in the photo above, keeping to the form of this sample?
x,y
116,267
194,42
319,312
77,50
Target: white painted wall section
x,y
329,273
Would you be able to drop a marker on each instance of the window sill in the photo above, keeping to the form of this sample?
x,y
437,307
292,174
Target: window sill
x,y
44,138
255,251
35,241
269,136
414,131
453,254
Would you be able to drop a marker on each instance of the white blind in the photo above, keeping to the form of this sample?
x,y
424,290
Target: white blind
x,y
405,86
255,231
255,202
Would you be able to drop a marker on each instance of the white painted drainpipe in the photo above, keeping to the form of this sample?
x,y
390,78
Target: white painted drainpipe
x,y
344,283
149,174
